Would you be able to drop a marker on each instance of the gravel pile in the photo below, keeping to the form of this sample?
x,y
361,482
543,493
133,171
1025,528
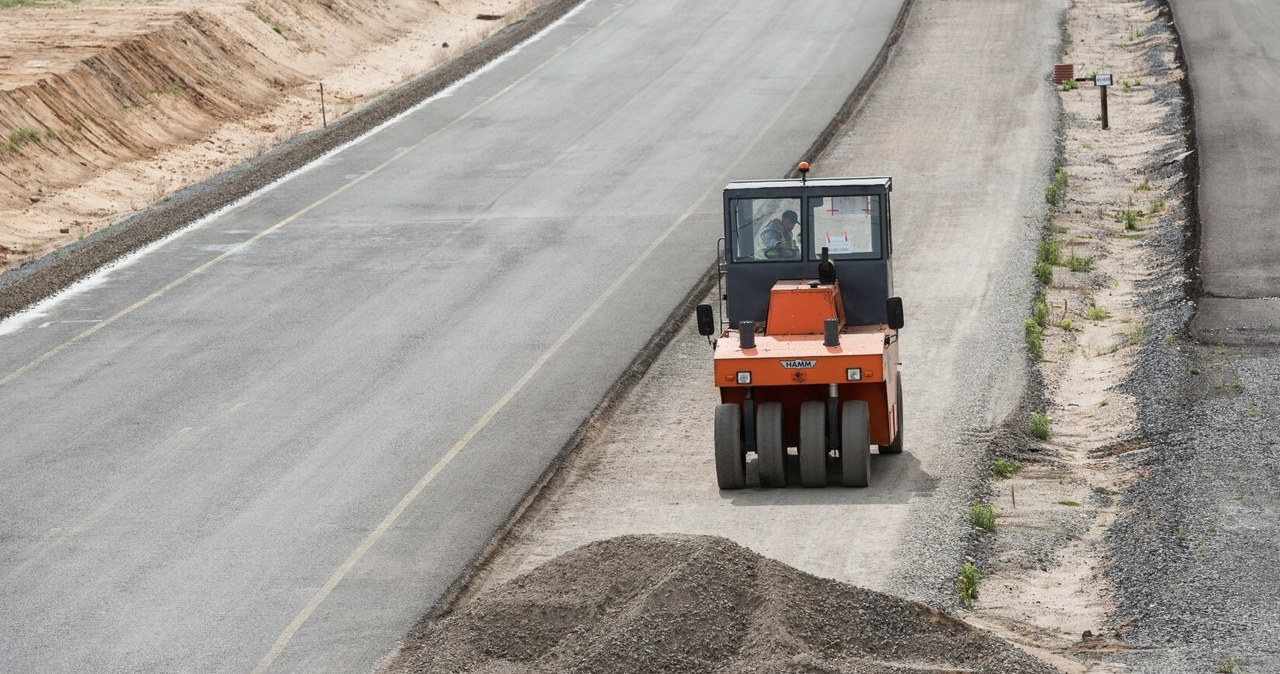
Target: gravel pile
x,y
696,604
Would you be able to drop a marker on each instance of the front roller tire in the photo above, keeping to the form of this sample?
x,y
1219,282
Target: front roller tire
x,y
771,453
813,444
731,462
855,444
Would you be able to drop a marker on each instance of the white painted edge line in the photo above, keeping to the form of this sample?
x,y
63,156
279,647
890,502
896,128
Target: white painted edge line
x,y
19,320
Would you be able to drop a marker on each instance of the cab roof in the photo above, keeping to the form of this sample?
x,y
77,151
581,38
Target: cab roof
x,y
884,182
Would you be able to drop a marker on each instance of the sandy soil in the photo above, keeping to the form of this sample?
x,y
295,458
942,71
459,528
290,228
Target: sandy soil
x,y
109,106
1047,586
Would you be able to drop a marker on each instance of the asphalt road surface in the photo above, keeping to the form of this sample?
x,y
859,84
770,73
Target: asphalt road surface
x,y
1233,53
272,441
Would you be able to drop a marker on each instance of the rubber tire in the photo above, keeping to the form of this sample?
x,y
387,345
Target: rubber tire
x,y
896,447
771,452
813,444
855,444
731,461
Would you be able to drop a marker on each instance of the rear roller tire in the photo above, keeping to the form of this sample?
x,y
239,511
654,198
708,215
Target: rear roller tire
x,y
731,467
771,452
855,444
813,444
896,447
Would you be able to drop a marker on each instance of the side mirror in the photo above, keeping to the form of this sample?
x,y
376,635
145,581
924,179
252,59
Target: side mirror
x,y
893,307
706,320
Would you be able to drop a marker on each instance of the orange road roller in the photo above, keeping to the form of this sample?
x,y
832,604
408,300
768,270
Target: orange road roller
x,y
806,346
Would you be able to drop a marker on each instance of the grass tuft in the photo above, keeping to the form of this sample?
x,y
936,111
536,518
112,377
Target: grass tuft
x,y
1054,191
1076,263
17,138
1004,469
1096,313
1049,251
982,515
1033,335
1130,218
967,584
1040,424
1040,311
1043,271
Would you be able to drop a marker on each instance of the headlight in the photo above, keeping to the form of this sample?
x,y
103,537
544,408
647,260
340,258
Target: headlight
x,y
853,374
744,378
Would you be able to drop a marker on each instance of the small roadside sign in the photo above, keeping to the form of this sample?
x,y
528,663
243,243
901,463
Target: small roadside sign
x,y
1102,80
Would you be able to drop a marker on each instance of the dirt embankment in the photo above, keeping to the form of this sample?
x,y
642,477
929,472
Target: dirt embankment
x,y
696,604
108,107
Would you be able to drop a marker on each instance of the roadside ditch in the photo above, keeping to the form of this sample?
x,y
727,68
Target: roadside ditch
x,y
1133,502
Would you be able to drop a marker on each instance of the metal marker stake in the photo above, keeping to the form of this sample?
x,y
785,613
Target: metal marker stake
x,y
324,118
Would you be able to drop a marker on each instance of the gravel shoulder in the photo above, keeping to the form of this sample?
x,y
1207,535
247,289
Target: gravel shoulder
x,y
1194,558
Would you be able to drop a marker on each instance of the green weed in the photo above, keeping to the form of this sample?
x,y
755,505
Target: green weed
x,y
17,138
982,515
1043,271
1076,263
1033,336
1144,186
1053,192
1003,469
1040,425
1072,504
967,584
1070,85
1040,311
1050,251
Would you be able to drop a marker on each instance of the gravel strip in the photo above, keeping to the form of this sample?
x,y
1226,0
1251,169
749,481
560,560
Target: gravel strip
x,y
1195,557
38,279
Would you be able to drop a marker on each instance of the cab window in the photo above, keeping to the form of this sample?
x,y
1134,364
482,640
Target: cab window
x,y
765,229
848,226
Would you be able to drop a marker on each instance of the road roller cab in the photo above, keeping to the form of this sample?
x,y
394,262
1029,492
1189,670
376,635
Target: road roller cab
x,y
806,349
